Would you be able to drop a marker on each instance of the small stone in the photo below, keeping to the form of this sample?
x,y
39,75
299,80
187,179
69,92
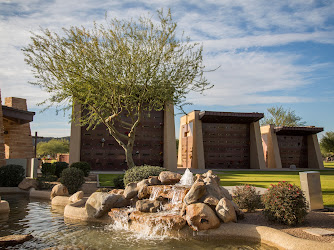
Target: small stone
x,y
225,211
76,196
59,190
12,240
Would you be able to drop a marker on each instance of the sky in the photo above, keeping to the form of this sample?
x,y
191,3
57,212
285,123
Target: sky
x,y
269,53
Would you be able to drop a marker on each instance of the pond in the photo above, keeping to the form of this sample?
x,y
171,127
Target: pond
x,y
47,225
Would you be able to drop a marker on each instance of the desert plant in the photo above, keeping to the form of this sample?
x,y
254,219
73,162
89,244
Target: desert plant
x,y
11,175
48,169
60,166
139,173
84,166
285,203
72,178
246,197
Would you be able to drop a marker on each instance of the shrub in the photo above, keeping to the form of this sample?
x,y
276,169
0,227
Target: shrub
x,y
136,174
84,166
72,178
11,175
60,166
285,203
48,169
119,181
246,197
44,182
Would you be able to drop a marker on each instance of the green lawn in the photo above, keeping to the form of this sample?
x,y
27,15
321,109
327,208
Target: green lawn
x,y
265,178
107,180
329,164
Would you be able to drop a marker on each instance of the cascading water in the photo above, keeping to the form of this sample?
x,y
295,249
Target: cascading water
x,y
187,178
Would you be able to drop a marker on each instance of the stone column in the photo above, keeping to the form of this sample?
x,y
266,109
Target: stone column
x,y
311,186
2,139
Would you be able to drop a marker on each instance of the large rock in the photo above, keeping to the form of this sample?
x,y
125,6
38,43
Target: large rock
x,y
147,206
225,211
122,202
100,203
153,180
59,190
12,240
130,190
76,196
60,201
200,216
226,193
214,192
28,183
143,192
195,193
169,178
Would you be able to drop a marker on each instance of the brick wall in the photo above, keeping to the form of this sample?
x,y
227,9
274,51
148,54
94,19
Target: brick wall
x,y
2,140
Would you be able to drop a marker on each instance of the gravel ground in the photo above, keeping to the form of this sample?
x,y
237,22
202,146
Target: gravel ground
x,y
314,219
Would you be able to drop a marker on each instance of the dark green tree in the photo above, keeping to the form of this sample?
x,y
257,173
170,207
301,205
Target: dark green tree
x,y
327,143
53,147
120,69
282,117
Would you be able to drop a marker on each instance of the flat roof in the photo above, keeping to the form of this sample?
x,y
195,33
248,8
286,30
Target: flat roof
x,y
17,115
229,117
286,130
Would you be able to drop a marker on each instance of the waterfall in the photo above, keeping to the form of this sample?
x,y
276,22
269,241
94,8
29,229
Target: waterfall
x,y
187,178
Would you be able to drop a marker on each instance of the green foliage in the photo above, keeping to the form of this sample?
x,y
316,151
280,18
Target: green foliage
x,y
119,182
59,166
136,174
43,183
282,117
84,166
72,178
246,197
327,144
48,169
53,147
11,175
121,69
285,203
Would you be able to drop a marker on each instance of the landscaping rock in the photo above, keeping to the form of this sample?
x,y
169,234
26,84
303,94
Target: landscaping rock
x,y
117,191
60,201
226,193
225,211
4,207
76,196
59,190
240,214
211,201
153,180
130,190
12,240
200,216
122,202
143,192
28,183
195,193
99,204
142,183
169,178
147,206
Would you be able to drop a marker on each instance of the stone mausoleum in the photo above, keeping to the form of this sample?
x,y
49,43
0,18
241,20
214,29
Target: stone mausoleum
x,y
220,140
291,147
154,144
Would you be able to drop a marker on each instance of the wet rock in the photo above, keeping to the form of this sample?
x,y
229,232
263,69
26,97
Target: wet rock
x,y
225,211
28,183
133,201
130,190
195,193
122,202
147,206
169,178
119,215
12,240
99,204
153,180
76,196
200,216
143,192
59,190
4,206
60,201
167,191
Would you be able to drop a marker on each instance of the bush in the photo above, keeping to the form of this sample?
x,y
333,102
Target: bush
x,y
44,182
136,174
11,175
48,169
119,181
72,178
285,203
246,197
60,166
84,166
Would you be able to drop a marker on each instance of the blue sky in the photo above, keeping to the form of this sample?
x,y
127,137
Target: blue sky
x,y
269,52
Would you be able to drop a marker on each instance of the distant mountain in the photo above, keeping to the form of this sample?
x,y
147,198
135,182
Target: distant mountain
x,y
46,139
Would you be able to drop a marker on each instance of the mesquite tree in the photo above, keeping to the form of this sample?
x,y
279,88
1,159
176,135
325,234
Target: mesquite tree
x,y
120,69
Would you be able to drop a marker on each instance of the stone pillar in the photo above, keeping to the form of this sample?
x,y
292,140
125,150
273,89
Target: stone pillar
x,y
311,186
75,141
256,150
273,159
169,154
18,137
2,139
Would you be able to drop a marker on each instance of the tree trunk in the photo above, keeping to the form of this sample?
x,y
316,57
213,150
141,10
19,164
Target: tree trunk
x,y
128,153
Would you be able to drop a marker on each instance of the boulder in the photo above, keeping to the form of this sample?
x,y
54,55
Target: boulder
x,y
143,192
28,183
214,192
210,176
142,183
211,201
200,216
226,193
130,190
153,180
60,201
225,211
240,214
59,190
12,240
195,193
76,196
169,178
122,202
100,203
147,206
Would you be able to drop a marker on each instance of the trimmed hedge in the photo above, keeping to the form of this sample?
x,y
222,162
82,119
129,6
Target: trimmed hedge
x,y
11,175
60,166
48,169
139,173
72,178
82,165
